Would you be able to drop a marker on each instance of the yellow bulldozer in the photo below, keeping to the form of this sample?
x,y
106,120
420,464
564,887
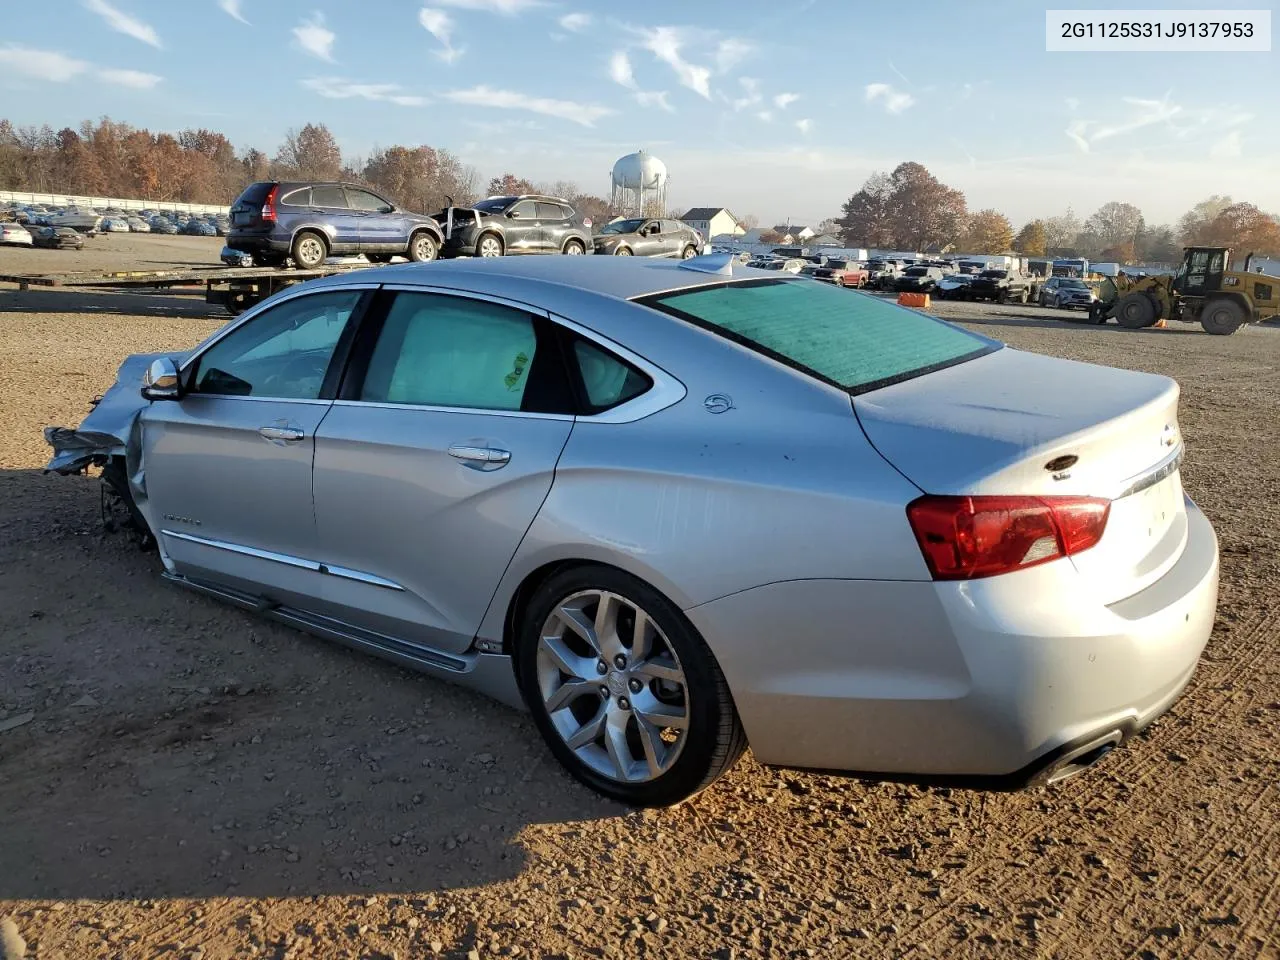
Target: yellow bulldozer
x,y
1204,288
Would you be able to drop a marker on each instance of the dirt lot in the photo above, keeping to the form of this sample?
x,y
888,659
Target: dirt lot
x,y
199,783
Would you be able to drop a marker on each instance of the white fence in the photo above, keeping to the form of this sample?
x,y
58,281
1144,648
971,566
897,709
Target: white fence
x,y
100,203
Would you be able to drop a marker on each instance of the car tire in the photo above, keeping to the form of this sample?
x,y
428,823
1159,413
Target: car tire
x,y
604,726
622,252
688,252
309,250
1222,317
423,247
1023,297
574,248
489,245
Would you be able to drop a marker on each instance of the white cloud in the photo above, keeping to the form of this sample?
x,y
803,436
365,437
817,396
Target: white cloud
x,y
752,88
575,22
232,9
1145,113
129,78
805,125
336,88
620,70
895,101
665,43
507,7
315,38
1228,148
121,22
41,64
765,115
784,100
655,98
730,52
1076,132
482,96
1073,104
440,25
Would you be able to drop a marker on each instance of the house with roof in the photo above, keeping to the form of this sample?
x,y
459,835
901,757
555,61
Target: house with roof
x,y
713,222
790,233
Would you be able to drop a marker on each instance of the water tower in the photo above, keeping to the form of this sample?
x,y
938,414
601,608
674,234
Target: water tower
x,y
639,185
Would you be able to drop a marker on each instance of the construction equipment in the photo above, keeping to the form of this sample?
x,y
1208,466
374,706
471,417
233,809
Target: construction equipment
x,y
1203,289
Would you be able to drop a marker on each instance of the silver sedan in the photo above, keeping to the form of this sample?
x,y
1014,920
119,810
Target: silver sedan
x,y
678,508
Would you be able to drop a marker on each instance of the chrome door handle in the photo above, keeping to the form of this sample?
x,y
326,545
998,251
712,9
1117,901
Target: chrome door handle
x,y
281,433
470,454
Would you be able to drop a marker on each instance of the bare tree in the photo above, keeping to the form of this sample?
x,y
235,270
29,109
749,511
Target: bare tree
x,y
311,153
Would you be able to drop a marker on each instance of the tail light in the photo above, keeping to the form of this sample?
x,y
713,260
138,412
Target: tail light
x,y
269,205
964,538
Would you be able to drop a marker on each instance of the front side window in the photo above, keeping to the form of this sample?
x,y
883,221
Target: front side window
x,y
365,201
281,353
525,210
853,341
443,351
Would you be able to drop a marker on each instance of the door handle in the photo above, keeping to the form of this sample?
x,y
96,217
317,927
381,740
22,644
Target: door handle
x,y
281,433
479,455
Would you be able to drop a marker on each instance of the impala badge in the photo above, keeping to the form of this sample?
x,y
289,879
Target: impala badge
x,y
718,403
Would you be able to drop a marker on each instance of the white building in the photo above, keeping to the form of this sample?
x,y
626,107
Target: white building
x,y
713,222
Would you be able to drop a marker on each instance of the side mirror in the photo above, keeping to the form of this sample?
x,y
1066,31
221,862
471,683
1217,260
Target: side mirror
x,y
512,215
161,381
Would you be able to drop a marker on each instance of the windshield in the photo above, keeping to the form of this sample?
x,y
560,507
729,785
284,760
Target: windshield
x,y
1073,285
622,226
853,341
837,264
995,274
494,205
917,271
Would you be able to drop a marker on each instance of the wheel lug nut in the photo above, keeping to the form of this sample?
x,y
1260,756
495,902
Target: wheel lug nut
x,y
604,693
624,703
635,685
601,667
620,662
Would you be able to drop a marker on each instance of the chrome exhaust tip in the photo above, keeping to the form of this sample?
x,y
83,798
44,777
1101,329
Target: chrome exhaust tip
x,y
1082,757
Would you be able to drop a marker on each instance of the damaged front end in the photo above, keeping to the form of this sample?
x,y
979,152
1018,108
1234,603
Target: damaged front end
x,y
461,227
110,438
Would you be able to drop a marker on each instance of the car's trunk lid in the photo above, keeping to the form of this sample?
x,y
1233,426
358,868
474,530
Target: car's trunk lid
x,y
1007,423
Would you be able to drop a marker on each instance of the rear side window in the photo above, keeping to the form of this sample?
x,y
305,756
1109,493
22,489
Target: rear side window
x,y
852,341
297,198
550,211
328,196
607,380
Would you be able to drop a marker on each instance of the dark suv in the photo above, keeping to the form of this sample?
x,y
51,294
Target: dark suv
x,y
508,225
310,221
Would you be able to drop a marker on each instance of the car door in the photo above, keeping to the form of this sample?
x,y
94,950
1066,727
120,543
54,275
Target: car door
x,y
329,206
554,227
523,232
648,241
382,228
434,461
227,468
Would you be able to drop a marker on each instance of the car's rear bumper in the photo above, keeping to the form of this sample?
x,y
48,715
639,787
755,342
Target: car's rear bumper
x,y
994,682
256,243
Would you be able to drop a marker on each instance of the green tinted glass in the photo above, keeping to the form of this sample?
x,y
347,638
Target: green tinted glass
x,y
855,340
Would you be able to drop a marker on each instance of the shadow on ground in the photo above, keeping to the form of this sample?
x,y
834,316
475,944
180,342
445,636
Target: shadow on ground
x,y
180,748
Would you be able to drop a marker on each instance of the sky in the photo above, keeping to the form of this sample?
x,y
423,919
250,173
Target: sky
x,y
779,110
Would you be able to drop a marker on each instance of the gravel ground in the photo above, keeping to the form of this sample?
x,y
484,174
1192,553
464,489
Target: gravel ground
x,y
194,782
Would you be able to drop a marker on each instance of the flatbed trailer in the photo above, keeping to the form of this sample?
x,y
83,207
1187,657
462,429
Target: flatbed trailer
x,y
236,288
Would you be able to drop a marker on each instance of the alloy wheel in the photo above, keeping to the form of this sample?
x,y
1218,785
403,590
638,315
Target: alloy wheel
x,y
613,687
310,251
490,247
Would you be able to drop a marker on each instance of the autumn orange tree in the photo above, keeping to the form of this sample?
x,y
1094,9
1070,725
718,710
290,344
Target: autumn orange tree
x,y
908,208
988,231
1031,239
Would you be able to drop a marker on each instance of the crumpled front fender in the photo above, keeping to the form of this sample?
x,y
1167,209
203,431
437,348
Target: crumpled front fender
x,y
109,429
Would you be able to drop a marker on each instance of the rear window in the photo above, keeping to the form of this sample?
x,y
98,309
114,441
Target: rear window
x,y
256,192
853,341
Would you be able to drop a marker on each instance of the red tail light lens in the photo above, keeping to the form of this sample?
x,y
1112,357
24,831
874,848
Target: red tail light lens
x,y
964,538
269,205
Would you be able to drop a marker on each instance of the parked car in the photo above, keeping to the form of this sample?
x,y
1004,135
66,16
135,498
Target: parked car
x,y
311,221
500,226
57,238
1030,619
918,279
114,225
644,237
163,226
138,225
1000,286
783,264
953,287
15,234
883,273
843,273
1066,293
